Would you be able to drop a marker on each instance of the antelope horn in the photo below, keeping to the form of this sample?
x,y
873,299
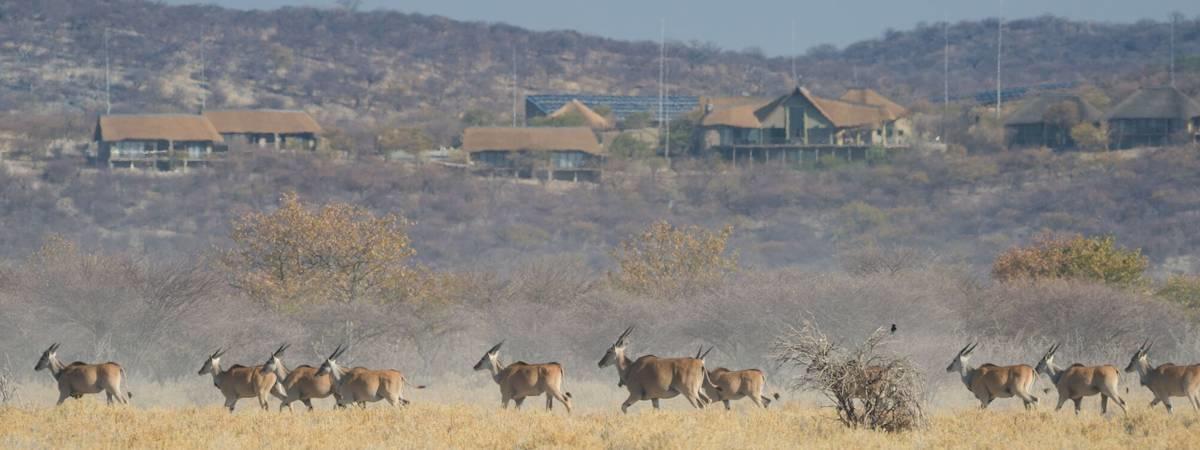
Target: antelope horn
x,y
701,357
699,350
342,351
963,350
625,334
53,347
217,354
282,348
969,350
496,347
336,351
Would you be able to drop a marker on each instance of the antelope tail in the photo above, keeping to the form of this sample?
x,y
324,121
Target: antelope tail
x,y
567,394
415,386
707,380
125,381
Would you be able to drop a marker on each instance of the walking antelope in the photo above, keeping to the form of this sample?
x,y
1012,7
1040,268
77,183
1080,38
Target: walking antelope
x,y
361,385
301,383
519,380
730,385
241,382
1079,381
989,382
1167,380
78,378
653,378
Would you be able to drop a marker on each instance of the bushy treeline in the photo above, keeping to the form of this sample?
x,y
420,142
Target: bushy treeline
x,y
961,208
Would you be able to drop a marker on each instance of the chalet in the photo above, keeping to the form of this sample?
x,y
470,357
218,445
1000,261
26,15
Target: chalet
x,y
277,128
800,126
621,106
562,153
1154,117
165,141
1046,121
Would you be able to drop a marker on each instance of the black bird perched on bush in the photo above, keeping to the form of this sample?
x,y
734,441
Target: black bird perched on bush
x,y
893,328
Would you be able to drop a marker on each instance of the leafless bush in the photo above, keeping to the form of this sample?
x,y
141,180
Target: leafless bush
x,y
870,260
867,389
8,385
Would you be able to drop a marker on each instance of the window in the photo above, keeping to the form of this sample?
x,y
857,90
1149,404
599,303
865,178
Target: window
x,y
195,149
568,160
131,148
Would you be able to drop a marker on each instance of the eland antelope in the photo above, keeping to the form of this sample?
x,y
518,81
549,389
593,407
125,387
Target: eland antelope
x,y
519,380
653,378
1167,380
361,385
1079,381
240,382
300,383
728,385
79,378
989,382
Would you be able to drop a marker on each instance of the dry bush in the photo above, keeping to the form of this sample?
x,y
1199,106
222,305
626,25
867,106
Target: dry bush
x,y
8,385
868,390
872,259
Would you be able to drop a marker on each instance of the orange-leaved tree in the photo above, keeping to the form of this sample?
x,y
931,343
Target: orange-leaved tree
x,y
1094,258
668,262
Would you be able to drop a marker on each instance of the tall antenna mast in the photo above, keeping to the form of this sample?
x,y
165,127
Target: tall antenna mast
x,y
203,77
999,59
1174,17
514,86
945,71
662,73
107,77
795,79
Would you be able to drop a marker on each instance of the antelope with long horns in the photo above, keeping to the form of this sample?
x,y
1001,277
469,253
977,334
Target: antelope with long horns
x,y
1079,381
989,382
361,385
240,382
77,378
1167,380
653,378
519,380
300,383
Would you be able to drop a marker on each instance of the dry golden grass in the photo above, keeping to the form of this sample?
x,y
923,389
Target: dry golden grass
x,y
90,424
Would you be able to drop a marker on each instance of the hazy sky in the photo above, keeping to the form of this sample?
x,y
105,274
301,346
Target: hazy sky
x,y
737,24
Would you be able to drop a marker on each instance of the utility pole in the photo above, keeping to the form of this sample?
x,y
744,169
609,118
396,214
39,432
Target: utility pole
x,y
203,76
999,56
795,79
107,77
945,72
664,118
514,87
1174,17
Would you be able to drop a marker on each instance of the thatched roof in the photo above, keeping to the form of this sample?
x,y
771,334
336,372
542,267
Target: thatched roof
x,y
592,118
531,139
1033,111
748,112
263,121
741,116
864,96
156,127
1156,103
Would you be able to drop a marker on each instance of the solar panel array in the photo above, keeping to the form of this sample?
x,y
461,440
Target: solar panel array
x,y
621,105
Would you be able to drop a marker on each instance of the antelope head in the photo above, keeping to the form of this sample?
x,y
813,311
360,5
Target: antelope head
x,y
273,363
47,356
213,360
617,350
330,366
490,359
1047,362
960,360
1139,358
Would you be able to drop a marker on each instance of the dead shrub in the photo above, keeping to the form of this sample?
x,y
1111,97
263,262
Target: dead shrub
x,y
868,390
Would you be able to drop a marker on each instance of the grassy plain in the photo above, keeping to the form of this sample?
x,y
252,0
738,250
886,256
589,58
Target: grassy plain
x,y
444,419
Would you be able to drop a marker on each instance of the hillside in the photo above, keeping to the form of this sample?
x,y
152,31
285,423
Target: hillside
x,y
374,66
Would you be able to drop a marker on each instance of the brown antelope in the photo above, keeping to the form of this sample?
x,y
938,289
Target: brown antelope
x,y
653,378
519,380
241,382
300,383
1079,381
1167,380
989,382
78,378
361,385
734,385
